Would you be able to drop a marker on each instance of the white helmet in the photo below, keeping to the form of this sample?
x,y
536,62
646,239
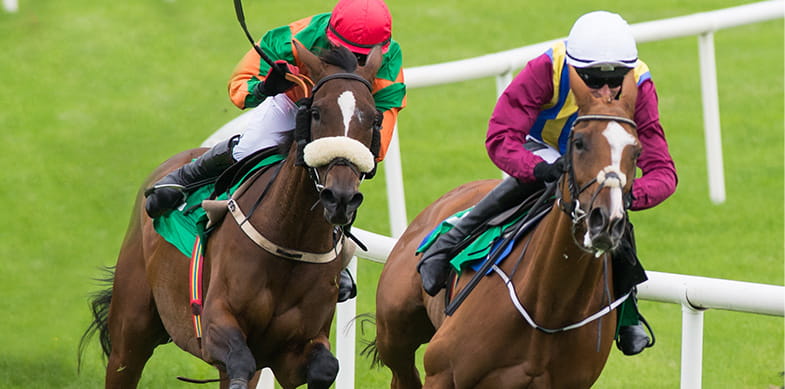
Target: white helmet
x,y
601,38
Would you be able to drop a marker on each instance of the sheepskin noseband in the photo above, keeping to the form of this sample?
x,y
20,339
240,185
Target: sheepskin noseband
x,y
322,151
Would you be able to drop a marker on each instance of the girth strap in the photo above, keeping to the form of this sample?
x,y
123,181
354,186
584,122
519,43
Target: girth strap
x,y
275,249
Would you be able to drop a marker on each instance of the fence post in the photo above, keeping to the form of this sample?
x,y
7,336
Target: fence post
x,y
345,336
393,173
711,117
691,347
11,5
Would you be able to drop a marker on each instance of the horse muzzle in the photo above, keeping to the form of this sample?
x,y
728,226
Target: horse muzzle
x,y
346,161
603,232
340,205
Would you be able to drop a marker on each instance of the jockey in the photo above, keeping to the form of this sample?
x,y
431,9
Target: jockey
x,y
358,25
528,132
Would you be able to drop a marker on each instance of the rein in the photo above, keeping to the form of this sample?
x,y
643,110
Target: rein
x,y
522,310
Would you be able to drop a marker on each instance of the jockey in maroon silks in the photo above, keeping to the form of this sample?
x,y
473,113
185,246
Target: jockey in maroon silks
x,y
528,132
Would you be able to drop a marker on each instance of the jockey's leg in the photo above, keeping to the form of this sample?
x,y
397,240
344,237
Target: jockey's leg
x,y
169,192
628,272
435,262
632,338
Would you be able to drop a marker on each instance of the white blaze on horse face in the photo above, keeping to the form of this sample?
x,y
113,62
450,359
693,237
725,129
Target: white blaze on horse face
x,y
618,139
348,105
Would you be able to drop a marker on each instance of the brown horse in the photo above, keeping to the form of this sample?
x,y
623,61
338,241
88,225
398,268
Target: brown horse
x,y
548,327
260,309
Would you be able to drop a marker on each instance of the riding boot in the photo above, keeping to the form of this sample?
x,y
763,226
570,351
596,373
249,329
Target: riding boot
x,y
632,338
627,273
434,267
347,289
170,191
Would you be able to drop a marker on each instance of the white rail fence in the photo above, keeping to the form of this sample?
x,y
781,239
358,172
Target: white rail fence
x,y
694,294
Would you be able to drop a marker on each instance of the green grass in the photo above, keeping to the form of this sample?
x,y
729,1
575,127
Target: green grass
x,y
95,95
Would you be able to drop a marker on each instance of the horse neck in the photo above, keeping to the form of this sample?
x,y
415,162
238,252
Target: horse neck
x,y
289,214
557,270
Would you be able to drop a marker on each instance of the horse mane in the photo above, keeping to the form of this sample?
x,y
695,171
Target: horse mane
x,y
340,56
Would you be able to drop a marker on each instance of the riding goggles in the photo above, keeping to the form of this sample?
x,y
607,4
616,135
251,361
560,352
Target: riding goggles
x,y
595,78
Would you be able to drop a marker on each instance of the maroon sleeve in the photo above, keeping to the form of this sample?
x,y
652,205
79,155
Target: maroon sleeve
x,y
514,114
658,179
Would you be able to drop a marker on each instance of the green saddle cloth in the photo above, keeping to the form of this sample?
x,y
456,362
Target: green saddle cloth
x,y
476,250
181,226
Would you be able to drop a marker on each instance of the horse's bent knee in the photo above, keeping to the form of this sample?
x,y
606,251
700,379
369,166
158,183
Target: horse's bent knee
x,y
322,368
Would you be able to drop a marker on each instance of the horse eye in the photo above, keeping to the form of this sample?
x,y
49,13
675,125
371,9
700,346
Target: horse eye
x,y
578,143
315,115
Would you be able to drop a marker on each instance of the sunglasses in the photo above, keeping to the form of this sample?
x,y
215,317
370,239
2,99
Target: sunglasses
x,y
595,78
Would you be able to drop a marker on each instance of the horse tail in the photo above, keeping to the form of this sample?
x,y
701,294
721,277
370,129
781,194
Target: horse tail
x,y
369,349
99,305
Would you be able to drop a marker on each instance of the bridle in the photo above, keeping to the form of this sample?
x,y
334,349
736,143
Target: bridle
x,y
608,177
303,137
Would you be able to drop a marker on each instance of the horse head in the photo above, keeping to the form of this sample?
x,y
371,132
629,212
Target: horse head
x,y
338,128
601,157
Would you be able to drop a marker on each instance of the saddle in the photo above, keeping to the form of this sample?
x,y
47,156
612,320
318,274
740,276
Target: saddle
x,y
205,206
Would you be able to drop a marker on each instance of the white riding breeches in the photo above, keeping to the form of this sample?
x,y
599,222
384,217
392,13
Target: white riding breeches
x,y
269,124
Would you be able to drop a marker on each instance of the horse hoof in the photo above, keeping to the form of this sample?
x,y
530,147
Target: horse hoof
x,y
322,368
238,383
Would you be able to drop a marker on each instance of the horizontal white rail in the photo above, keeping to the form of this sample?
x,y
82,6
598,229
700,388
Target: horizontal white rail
x,y
506,61
693,291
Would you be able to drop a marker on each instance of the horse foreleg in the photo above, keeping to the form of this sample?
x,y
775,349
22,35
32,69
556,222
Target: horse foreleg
x,y
225,346
322,366
314,358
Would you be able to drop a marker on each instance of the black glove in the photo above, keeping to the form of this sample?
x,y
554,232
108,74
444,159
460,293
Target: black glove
x,y
275,82
628,199
549,172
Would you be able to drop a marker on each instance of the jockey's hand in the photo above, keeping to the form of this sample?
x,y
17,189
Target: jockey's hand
x,y
628,199
549,172
275,82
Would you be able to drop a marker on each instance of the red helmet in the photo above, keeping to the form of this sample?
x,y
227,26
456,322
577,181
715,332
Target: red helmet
x,y
360,25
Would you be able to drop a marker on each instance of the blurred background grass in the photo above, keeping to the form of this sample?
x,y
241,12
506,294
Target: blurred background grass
x,y
96,94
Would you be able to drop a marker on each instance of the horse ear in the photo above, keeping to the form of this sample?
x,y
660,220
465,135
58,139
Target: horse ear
x,y
629,93
583,96
309,59
372,64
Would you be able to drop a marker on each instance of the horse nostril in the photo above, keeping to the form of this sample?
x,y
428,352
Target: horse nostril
x,y
328,197
597,220
355,201
617,228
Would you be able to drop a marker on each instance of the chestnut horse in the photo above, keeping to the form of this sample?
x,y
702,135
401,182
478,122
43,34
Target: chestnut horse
x,y
260,309
543,317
